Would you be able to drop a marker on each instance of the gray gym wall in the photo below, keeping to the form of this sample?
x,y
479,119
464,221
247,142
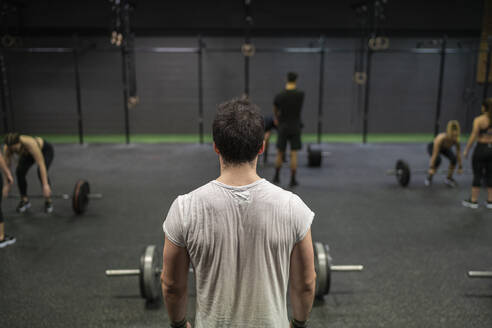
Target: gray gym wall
x,y
402,99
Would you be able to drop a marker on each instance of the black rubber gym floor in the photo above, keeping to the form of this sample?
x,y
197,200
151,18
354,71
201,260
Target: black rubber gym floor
x,y
416,244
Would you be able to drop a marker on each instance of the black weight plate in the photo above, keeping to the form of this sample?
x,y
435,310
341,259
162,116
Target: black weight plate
x,y
80,197
402,173
314,156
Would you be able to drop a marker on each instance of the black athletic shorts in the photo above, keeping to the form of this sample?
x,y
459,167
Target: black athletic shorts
x,y
289,136
482,164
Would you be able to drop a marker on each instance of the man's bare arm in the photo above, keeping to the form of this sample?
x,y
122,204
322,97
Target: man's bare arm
x,y
174,280
302,279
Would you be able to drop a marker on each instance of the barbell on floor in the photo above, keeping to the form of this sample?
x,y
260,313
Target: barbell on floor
x,y
80,196
324,268
150,269
479,274
403,173
148,274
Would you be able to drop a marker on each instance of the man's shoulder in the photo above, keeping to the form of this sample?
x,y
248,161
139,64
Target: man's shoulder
x,y
285,202
274,188
276,195
198,192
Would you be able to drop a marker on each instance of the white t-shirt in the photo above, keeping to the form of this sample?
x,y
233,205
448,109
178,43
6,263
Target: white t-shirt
x,y
239,240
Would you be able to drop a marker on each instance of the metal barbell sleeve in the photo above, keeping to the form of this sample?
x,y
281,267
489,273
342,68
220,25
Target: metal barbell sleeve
x,y
346,268
480,274
122,272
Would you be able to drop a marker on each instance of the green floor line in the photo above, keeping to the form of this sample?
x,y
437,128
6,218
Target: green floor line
x,y
193,138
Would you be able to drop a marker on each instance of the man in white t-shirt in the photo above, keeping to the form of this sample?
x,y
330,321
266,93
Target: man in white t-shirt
x,y
248,240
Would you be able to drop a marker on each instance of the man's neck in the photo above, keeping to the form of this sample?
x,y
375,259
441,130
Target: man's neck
x,y
290,86
238,175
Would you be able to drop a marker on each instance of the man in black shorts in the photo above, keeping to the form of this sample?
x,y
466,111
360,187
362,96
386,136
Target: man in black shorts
x,y
287,110
270,124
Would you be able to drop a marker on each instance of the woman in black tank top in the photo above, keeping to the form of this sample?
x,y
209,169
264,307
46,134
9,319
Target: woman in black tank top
x,y
482,156
30,150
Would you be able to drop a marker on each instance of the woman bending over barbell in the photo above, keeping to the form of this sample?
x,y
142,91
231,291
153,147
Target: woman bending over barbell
x,y
5,239
30,150
442,145
482,155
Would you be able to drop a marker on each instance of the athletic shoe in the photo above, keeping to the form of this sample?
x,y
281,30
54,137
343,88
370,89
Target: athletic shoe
x,y
428,182
488,205
23,206
48,207
469,203
450,182
293,182
7,240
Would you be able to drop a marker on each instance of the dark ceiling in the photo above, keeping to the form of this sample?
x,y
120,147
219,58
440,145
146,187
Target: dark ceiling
x,y
224,17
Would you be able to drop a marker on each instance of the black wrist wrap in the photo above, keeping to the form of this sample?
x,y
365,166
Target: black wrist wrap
x,y
299,324
179,324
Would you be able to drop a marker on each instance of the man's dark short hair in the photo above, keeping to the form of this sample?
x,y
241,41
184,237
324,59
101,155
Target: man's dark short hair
x,y
291,77
238,130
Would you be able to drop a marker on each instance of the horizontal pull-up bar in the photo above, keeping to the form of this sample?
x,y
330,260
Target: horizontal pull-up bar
x,y
297,50
40,50
167,50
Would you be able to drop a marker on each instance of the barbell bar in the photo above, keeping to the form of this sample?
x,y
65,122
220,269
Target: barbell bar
x,y
403,173
148,274
80,196
150,269
424,171
60,196
479,274
346,268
